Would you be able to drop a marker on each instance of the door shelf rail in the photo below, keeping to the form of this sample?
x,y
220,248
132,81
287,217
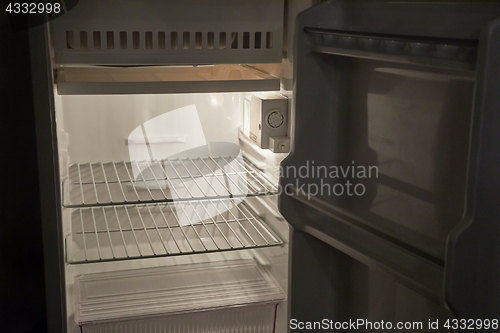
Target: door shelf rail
x,y
181,179
122,232
434,52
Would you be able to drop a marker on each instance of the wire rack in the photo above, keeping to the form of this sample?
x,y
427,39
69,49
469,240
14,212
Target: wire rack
x,y
136,182
109,233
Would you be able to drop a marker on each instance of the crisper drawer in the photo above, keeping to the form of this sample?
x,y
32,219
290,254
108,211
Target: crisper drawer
x,y
253,319
235,296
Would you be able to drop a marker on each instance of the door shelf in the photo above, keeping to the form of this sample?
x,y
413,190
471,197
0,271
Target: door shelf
x,y
139,182
165,229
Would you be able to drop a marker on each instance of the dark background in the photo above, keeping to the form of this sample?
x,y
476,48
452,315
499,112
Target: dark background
x,y
22,291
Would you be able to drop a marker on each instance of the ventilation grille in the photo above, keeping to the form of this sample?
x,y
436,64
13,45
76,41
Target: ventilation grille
x,y
149,40
154,32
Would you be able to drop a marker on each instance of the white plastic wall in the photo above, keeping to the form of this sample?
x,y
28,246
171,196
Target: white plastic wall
x,y
98,127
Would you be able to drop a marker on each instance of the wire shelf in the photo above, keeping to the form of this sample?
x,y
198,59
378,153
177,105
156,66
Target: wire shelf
x,y
139,182
110,233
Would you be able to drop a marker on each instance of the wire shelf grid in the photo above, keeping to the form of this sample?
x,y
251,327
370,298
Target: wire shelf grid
x,y
140,182
121,232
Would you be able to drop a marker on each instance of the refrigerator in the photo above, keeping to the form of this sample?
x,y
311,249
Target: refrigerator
x,y
235,166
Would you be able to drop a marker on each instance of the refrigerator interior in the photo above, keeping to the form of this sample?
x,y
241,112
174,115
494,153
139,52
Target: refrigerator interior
x,y
169,215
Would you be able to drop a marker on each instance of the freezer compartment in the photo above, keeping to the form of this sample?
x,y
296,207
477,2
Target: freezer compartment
x,y
206,297
169,229
168,32
110,183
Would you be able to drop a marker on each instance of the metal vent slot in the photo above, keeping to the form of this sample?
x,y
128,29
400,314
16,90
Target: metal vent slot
x,y
234,40
136,40
110,40
161,40
97,40
70,40
198,40
174,42
246,40
258,40
269,40
83,40
186,40
123,39
210,40
222,40
149,40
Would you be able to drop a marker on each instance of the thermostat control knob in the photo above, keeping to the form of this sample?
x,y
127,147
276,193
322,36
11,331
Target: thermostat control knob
x,y
275,119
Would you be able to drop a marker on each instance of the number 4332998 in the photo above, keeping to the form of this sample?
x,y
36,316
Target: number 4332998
x,y
472,324
33,8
